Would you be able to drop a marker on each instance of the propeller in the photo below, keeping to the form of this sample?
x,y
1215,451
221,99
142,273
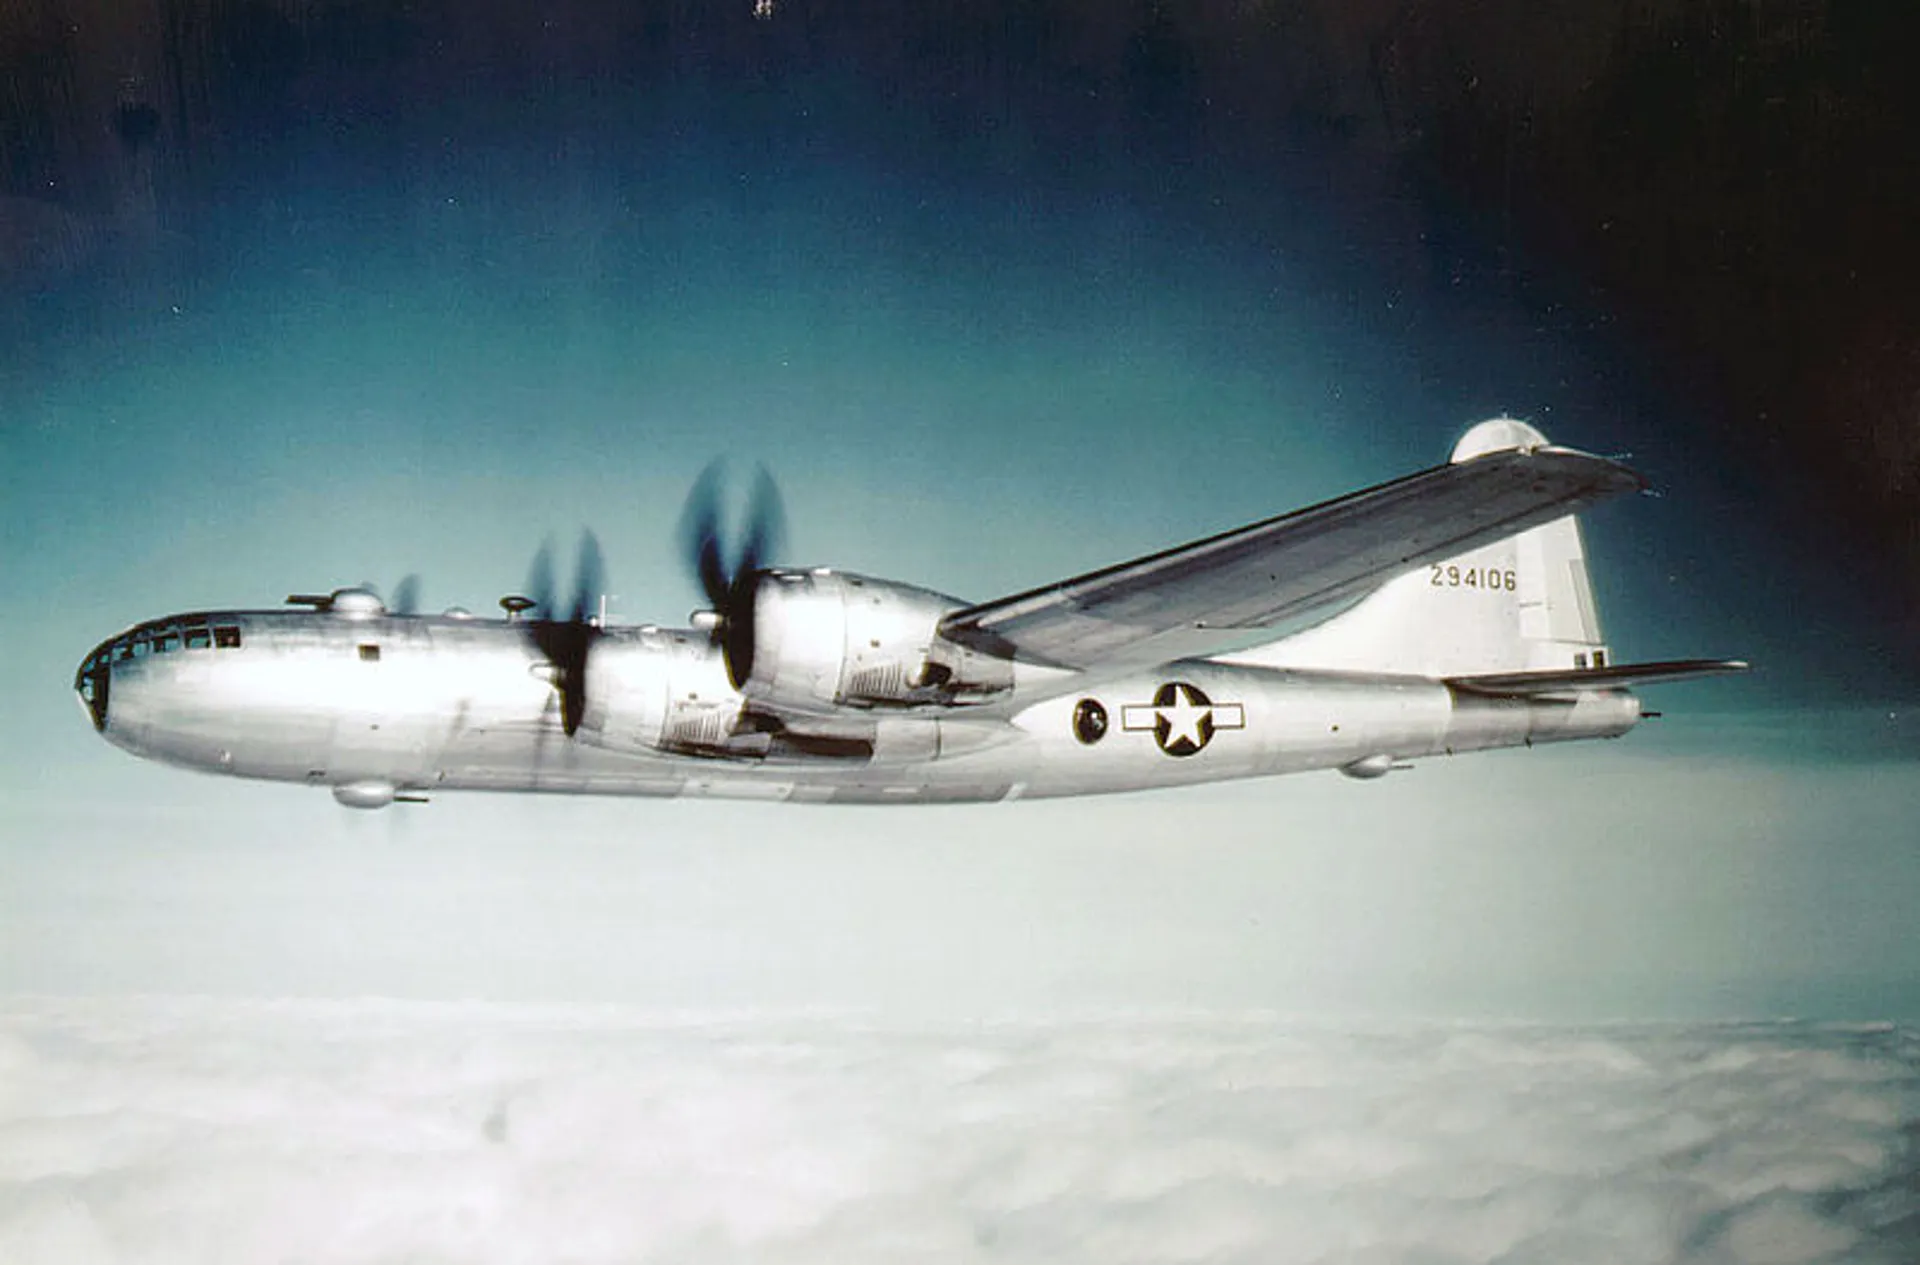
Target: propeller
x,y
565,638
732,585
406,595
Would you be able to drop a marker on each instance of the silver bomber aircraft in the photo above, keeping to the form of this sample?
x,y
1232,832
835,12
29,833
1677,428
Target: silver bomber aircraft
x,y
1453,614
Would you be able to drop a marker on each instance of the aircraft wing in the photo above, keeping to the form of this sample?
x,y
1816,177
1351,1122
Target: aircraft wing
x,y
1216,594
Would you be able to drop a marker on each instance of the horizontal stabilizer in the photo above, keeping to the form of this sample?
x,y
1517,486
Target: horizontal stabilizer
x,y
1613,676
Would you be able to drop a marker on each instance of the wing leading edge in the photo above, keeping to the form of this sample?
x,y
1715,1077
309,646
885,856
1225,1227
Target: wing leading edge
x,y
1209,596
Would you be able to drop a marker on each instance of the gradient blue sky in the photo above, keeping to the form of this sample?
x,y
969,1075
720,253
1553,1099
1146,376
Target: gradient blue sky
x,y
341,368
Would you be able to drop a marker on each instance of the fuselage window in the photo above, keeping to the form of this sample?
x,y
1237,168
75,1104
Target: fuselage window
x,y
140,647
168,640
198,637
1089,721
226,637
369,653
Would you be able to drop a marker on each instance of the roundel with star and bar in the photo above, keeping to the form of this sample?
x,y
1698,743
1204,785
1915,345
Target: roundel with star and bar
x,y
1181,718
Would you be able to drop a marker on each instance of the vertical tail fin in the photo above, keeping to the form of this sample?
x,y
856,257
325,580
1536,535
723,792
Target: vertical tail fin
x,y
1520,604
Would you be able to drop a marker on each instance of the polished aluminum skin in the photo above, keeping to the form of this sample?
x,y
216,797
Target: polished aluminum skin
x,y
1473,630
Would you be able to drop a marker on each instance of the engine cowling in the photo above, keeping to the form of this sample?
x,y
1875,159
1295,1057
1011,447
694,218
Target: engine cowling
x,y
660,690
825,639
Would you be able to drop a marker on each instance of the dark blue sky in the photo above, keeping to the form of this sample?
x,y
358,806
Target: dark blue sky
x,y
556,258
1000,292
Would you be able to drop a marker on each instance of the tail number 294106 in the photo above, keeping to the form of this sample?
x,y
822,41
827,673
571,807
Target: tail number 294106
x,y
1454,576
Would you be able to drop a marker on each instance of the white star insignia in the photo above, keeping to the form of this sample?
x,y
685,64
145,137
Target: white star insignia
x,y
1181,718
1184,718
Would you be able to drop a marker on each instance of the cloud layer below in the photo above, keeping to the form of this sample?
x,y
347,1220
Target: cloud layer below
x,y
214,1131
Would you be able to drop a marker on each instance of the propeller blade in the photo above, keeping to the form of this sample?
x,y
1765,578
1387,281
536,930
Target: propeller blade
x,y
540,581
567,641
700,535
589,578
731,589
406,596
737,633
766,534
573,677
766,526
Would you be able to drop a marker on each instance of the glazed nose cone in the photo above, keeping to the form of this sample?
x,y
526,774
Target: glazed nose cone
x,y
93,682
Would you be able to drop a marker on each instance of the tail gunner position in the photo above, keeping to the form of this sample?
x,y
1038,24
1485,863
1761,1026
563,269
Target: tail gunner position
x,y
1454,615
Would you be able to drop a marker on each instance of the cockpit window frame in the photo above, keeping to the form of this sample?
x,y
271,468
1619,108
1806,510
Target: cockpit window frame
x,y
187,632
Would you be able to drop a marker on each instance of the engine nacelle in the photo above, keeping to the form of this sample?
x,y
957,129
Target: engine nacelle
x,y
824,639
657,690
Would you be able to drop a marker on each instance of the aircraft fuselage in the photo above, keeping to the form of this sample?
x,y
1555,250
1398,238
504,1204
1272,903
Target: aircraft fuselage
x,y
385,706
